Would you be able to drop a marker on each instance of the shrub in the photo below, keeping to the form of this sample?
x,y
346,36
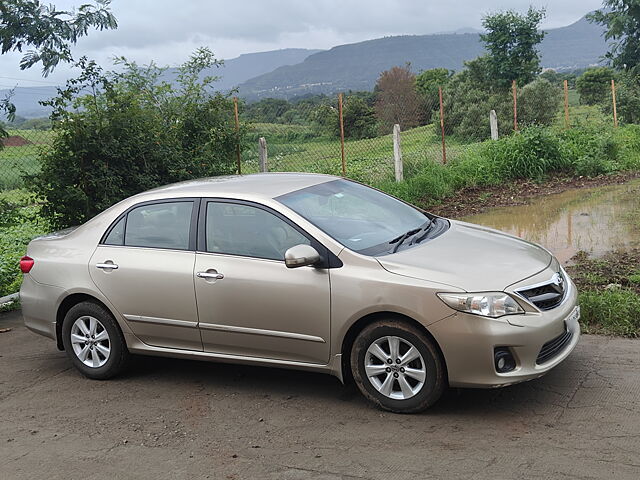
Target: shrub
x,y
539,103
627,99
594,85
131,134
467,103
529,154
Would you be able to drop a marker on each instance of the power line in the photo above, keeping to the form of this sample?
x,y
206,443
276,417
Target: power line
x,y
32,81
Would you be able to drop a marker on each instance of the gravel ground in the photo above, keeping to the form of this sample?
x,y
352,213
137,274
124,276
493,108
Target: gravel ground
x,y
182,419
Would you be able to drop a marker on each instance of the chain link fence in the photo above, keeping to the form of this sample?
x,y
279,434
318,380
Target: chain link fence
x,y
351,134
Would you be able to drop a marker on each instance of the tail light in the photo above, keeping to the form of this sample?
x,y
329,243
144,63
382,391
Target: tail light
x,y
26,264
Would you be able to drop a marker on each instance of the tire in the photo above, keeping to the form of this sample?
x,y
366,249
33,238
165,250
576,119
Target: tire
x,y
101,357
397,387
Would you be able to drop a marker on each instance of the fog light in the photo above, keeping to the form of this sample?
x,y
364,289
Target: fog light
x,y
503,359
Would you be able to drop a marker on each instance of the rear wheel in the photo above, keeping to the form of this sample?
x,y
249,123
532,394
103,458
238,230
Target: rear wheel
x,y
397,367
93,341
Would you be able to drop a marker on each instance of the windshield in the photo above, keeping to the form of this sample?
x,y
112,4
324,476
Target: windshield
x,y
359,217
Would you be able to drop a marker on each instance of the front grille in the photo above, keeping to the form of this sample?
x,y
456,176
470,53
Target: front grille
x,y
552,348
548,295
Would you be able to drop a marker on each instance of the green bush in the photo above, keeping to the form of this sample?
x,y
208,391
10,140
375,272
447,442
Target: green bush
x,y
19,223
133,133
539,103
627,99
594,85
467,104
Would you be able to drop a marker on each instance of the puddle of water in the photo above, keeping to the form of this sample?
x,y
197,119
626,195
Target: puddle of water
x,y
596,220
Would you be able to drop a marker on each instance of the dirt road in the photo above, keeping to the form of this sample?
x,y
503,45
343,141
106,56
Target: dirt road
x,y
181,419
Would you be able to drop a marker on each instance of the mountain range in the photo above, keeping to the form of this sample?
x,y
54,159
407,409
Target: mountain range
x,y
357,66
292,72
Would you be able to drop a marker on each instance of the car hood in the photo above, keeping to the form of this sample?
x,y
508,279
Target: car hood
x,y
470,257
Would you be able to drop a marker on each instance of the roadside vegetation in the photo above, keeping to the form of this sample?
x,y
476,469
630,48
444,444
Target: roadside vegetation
x,y
609,292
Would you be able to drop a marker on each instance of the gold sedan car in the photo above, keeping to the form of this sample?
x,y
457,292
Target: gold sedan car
x,y
302,271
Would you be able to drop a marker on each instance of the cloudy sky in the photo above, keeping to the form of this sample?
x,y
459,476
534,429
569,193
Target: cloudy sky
x,y
166,31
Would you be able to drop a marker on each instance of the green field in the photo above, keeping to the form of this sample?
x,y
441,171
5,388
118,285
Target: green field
x,y
369,160
15,162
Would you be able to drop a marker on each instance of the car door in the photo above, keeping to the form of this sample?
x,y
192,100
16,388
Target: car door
x,y
249,302
144,266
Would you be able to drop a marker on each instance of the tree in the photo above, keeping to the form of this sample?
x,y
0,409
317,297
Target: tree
x,y
622,21
358,118
132,132
50,32
511,41
427,83
594,85
397,100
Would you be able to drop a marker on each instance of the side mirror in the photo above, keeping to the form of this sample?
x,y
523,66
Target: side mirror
x,y
301,256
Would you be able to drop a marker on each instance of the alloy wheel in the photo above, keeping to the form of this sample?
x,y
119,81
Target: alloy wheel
x,y
395,367
90,341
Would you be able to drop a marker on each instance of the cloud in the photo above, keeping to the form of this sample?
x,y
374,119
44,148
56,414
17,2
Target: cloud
x,y
168,31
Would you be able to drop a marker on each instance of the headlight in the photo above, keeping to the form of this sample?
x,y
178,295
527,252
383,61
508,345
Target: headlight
x,y
487,304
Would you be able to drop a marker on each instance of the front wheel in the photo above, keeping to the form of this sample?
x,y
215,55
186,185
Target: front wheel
x,y
93,341
397,367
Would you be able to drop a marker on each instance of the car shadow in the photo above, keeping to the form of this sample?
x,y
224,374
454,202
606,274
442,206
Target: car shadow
x,y
548,392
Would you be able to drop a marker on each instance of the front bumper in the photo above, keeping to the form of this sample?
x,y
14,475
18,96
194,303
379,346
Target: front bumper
x,y
468,343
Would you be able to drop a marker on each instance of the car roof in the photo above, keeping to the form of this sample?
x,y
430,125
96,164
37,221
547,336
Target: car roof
x,y
268,185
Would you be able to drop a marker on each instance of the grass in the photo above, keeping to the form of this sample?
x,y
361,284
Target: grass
x,y
609,292
15,162
369,160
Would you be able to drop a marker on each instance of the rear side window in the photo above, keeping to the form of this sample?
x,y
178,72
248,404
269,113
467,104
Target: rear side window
x,y
248,231
116,235
160,225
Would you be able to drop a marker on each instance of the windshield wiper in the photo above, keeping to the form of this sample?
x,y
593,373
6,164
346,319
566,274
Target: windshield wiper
x,y
400,239
426,229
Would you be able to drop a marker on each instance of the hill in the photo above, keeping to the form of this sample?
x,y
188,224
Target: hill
x,y
232,73
356,66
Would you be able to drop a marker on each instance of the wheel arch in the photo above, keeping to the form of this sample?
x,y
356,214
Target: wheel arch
x,y
67,304
361,323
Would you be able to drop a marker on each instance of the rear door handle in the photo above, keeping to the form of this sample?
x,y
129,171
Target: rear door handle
x,y
107,266
210,275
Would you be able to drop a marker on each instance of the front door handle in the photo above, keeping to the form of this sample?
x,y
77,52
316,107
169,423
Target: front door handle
x,y
107,266
210,275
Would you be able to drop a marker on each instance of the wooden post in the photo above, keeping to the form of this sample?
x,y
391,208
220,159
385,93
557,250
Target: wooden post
x,y
444,147
514,89
344,163
397,154
235,111
262,153
615,106
566,105
493,122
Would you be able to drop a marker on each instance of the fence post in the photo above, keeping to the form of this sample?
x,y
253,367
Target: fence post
x,y
397,154
566,104
493,121
262,153
235,111
615,107
444,147
514,89
344,163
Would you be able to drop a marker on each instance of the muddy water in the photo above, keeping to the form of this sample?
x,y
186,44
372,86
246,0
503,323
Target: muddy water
x,y
596,220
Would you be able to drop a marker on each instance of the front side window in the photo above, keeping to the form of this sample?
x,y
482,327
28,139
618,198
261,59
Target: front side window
x,y
361,218
248,231
161,225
